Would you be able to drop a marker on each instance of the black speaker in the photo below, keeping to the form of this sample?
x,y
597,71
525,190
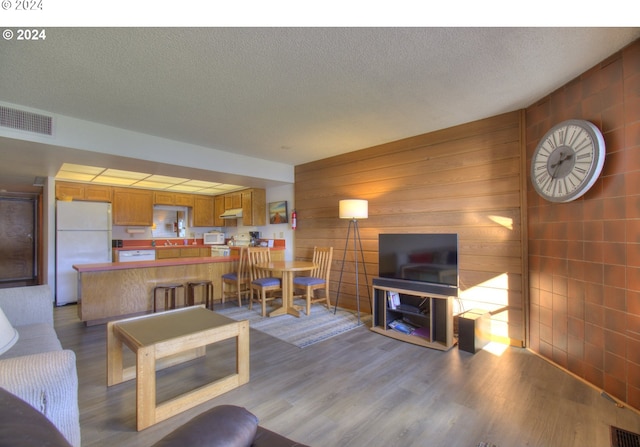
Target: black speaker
x,y
474,330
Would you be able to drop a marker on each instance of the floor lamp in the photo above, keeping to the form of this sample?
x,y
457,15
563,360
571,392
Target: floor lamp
x,y
354,209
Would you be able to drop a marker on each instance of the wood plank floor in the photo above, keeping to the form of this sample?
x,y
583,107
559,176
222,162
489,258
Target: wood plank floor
x,y
359,389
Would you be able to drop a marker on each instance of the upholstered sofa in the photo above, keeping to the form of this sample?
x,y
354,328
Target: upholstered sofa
x,y
33,366
222,426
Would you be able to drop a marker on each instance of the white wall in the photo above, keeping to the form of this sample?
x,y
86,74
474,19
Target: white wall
x,y
277,194
102,139
48,273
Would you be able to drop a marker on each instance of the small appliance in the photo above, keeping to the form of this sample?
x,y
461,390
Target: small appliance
x,y
220,250
242,240
213,238
255,236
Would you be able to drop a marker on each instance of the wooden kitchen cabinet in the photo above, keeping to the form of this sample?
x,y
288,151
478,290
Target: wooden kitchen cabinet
x,y
191,252
254,207
184,200
203,211
228,202
66,190
98,193
172,198
218,208
276,255
182,252
253,204
163,198
167,253
132,207
232,200
83,191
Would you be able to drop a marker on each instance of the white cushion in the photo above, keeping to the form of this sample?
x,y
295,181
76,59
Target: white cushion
x,y
34,339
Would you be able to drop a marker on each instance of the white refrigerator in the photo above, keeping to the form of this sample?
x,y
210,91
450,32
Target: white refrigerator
x,y
83,236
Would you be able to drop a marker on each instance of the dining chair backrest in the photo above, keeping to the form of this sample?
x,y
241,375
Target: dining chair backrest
x,y
243,263
322,258
258,255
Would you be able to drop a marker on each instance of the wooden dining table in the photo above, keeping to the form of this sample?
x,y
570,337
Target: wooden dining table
x,y
288,269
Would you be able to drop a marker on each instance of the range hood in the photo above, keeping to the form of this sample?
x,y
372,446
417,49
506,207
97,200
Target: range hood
x,y
231,214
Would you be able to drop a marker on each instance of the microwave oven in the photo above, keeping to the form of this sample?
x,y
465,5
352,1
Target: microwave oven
x,y
213,238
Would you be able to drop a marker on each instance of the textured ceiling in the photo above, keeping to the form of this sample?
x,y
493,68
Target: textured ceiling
x,y
294,95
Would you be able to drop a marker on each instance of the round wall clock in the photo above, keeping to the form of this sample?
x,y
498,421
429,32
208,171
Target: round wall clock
x,y
567,160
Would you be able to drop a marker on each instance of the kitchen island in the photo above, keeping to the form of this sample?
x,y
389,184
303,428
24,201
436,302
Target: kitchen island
x,y
110,291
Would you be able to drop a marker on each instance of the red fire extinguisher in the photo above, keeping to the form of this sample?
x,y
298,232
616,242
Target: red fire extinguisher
x,y
294,220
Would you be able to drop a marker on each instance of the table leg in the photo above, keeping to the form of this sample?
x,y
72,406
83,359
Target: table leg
x,y
146,387
287,295
291,309
282,310
242,352
114,357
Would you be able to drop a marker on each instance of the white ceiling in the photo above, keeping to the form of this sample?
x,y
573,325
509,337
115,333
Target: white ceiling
x,y
289,95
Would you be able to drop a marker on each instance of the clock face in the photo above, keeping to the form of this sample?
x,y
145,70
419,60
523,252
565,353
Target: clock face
x,y
567,161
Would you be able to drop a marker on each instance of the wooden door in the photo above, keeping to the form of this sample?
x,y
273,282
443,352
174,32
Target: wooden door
x,y
17,240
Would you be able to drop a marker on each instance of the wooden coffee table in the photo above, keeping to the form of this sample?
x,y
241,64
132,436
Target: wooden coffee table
x,y
166,339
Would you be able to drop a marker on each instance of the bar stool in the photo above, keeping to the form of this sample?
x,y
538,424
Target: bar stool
x,y
207,292
169,290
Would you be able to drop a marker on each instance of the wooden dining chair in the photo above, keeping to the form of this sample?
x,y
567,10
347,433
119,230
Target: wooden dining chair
x,y
237,283
318,278
262,281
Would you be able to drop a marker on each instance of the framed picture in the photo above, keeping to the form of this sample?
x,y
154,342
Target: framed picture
x,y
278,212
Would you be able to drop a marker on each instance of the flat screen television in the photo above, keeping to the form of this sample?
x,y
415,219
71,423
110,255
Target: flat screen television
x,y
419,258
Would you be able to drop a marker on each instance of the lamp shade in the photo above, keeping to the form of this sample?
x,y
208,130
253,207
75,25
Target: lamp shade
x,y
354,209
8,335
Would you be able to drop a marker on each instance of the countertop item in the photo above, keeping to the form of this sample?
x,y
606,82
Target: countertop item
x,y
158,263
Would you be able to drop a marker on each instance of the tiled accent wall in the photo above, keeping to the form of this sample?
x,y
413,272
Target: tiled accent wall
x,y
584,256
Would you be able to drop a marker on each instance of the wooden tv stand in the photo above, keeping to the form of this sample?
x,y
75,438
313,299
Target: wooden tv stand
x,y
431,313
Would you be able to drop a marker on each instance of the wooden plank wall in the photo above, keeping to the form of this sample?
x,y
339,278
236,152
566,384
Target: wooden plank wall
x,y
466,179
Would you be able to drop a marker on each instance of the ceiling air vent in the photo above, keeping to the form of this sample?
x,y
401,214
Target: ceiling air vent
x,y
27,121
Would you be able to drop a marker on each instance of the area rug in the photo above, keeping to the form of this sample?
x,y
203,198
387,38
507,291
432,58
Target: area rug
x,y
303,331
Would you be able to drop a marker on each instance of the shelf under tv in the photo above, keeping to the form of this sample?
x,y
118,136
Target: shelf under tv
x,y
434,321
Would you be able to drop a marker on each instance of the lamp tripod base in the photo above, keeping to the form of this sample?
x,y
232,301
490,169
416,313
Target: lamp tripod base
x,y
356,242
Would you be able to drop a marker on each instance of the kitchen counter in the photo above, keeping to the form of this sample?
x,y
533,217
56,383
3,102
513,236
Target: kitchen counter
x,y
111,291
158,246
114,290
162,252
109,266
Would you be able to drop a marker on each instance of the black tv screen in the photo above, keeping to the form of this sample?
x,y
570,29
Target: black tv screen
x,y
428,258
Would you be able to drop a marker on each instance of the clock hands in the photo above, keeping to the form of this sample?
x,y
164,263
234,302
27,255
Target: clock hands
x,y
562,159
